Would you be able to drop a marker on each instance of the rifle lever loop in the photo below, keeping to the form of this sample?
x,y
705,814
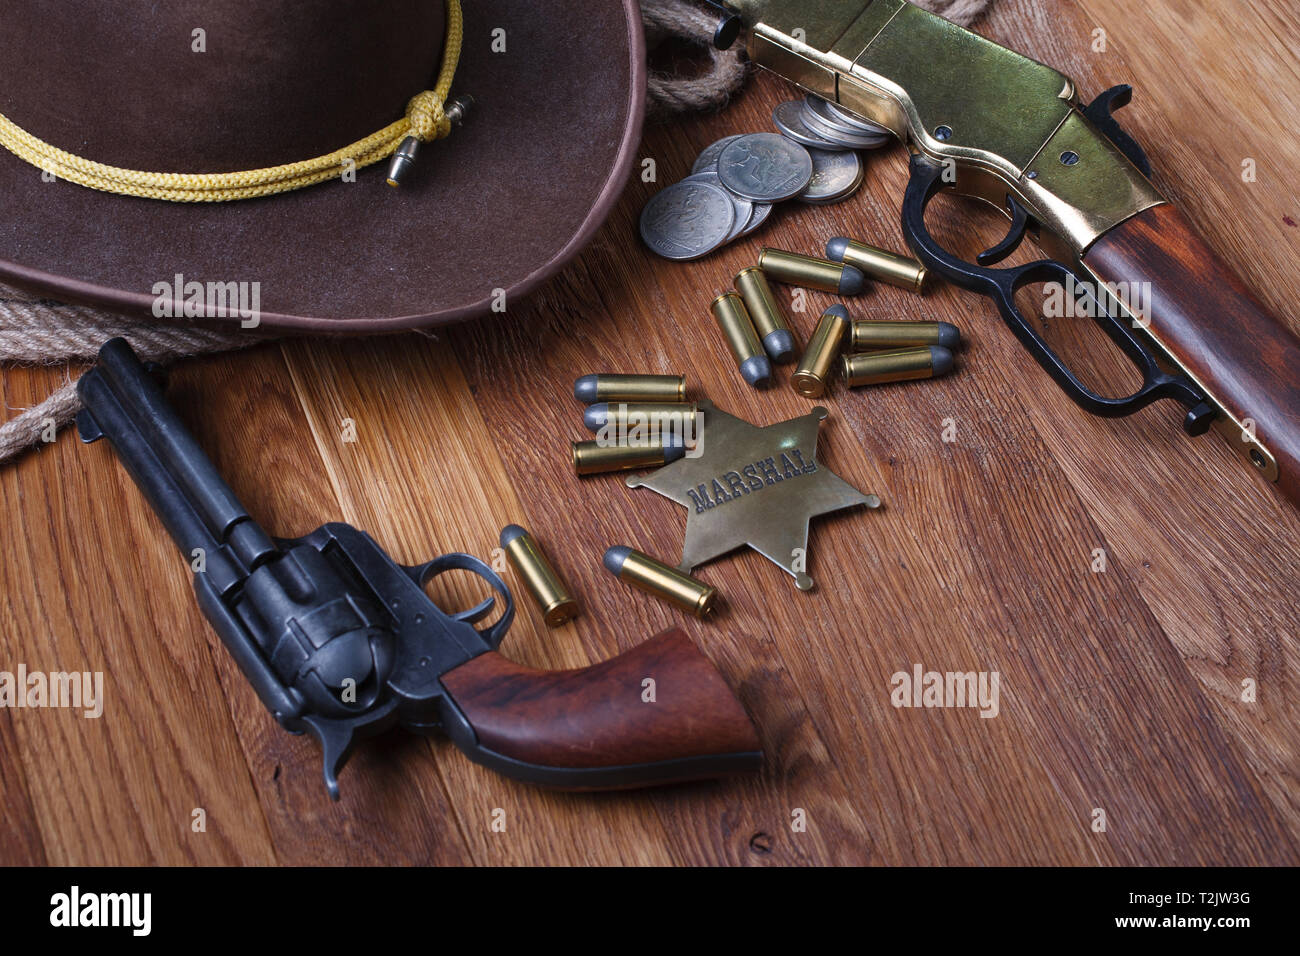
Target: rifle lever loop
x,y
1001,285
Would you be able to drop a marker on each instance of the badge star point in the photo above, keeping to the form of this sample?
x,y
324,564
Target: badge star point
x,y
755,486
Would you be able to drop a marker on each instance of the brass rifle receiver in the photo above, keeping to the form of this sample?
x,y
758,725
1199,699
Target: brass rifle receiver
x,y
992,124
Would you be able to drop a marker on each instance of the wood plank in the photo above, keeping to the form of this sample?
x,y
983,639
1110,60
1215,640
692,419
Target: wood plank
x,y
1121,689
1209,567
422,490
123,786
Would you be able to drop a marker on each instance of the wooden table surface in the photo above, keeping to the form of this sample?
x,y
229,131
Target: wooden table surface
x,y
1121,690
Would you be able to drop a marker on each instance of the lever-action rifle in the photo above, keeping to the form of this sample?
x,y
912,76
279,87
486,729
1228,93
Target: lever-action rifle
x,y
986,122
340,641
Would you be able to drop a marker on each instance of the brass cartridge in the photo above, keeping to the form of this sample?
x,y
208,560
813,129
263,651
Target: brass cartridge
x,y
596,457
654,577
879,264
608,387
867,335
539,577
769,319
811,376
655,416
733,319
811,273
896,365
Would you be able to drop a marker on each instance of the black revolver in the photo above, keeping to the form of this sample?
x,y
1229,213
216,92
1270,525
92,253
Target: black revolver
x,y
340,641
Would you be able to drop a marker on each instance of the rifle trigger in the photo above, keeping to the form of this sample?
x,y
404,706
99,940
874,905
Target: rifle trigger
x,y
1012,240
1101,112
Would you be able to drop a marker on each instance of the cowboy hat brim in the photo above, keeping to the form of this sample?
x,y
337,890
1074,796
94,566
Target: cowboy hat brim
x,y
485,216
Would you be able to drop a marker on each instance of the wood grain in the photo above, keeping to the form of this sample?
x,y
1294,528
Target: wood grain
x,y
1122,688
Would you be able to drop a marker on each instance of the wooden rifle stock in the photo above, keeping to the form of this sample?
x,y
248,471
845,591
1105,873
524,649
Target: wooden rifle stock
x,y
1206,318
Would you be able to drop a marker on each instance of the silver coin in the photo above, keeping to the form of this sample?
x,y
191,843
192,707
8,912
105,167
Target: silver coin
x,y
744,208
829,200
833,201
821,109
840,118
835,176
849,118
765,167
822,127
759,216
709,158
788,117
687,220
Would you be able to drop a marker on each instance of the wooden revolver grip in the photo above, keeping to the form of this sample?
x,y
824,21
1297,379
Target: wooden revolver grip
x,y
593,729
1207,318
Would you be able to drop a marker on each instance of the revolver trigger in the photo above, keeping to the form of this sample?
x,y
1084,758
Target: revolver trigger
x,y
336,741
1101,112
476,613
1012,240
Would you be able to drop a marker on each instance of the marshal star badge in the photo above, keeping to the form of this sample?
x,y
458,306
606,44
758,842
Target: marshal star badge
x,y
755,486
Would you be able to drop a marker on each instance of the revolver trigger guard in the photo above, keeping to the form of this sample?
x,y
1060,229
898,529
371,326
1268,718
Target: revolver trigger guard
x,y
456,561
1001,285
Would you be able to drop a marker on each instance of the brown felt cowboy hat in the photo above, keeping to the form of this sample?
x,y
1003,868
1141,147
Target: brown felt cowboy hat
x,y
223,86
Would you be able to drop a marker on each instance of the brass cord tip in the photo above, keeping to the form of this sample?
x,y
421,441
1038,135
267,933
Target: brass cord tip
x,y
404,157
458,108
402,161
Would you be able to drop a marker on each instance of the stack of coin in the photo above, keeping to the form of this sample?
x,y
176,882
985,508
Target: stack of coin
x,y
819,124
831,134
735,182
728,194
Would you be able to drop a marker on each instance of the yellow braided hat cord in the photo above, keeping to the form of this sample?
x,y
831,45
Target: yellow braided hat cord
x,y
424,120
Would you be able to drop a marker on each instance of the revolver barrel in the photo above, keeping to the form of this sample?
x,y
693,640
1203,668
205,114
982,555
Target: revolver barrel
x,y
124,403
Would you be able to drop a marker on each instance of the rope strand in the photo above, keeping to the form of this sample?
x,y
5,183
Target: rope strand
x,y
37,332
